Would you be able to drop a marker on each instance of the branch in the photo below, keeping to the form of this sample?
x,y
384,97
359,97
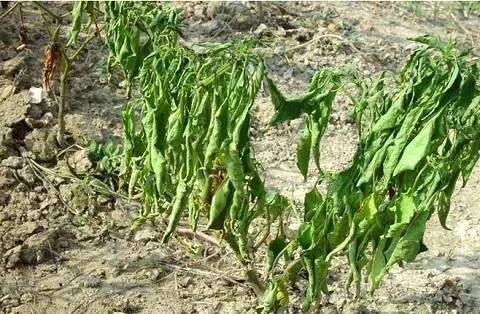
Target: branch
x,y
197,234
9,10
74,56
315,39
465,30
47,10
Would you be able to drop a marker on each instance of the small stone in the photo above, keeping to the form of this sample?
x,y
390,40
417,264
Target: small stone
x,y
26,297
80,161
185,282
43,143
154,274
213,8
27,229
14,162
123,84
188,11
143,274
199,11
34,215
12,256
90,281
6,177
281,31
261,29
145,235
26,174
37,94
47,119
99,273
280,50
447,299
4,216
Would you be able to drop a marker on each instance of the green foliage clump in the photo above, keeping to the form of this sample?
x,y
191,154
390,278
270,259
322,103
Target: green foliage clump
x,y
190,146
416,138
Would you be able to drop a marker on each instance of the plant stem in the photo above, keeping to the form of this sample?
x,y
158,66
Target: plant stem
x,y
61,104
20,14
252,277
47,10
75,54
259,6
9,10
291,271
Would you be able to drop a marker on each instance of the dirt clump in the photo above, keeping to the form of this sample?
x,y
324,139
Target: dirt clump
x,y
37,248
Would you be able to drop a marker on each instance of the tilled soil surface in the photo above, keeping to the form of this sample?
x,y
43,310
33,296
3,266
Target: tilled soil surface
x,y
65,249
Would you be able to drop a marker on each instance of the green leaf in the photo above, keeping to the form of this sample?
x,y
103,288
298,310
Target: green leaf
x,y
275,247
410,244
417,149
77,15
178,207
276,204
218,206
303,151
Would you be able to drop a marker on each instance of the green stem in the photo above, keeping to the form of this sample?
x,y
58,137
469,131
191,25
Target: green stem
x,y
47,10
292,270
75,54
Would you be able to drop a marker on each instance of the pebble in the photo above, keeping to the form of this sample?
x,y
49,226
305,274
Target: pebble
x,y
26,297
4,216
145,235
260,29
154,274
90,281
27,175
185,282
34,215
14,162
281,31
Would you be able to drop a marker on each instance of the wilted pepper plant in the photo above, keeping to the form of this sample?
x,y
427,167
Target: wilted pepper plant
x,y
59,56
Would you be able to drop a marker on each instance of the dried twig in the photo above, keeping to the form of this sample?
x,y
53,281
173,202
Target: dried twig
x,y
198,235
210,273
466,31
318,38
9,10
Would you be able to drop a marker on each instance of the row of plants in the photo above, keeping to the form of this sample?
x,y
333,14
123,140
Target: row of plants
x,y
187,151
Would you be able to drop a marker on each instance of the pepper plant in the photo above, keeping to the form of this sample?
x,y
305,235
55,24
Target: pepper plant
x,y
189,153
419,132
59,56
